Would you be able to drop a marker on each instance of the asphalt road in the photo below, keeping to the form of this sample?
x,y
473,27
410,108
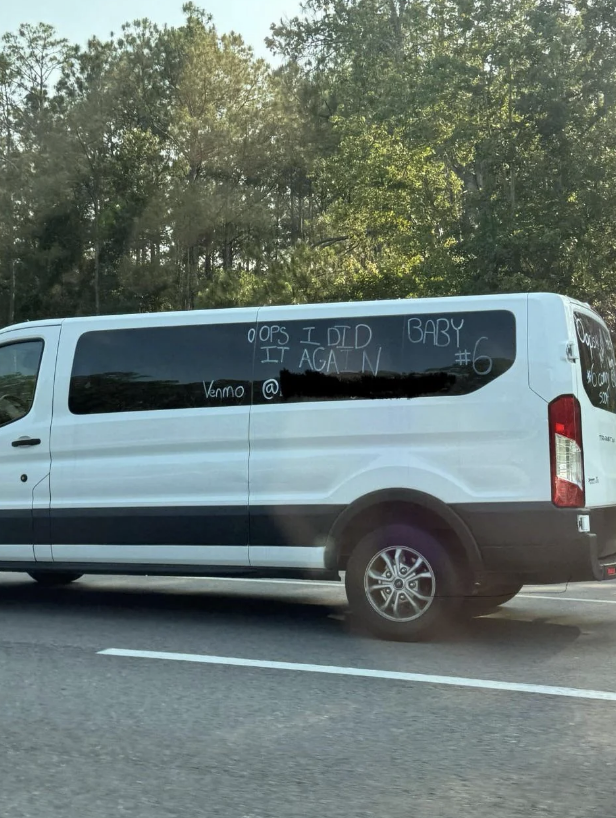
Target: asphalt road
x,y
85,735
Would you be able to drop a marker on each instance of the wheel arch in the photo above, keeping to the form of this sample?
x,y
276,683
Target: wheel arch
x,y
400,505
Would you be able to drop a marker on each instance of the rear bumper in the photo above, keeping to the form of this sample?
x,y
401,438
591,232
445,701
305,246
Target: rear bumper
x,y
541,543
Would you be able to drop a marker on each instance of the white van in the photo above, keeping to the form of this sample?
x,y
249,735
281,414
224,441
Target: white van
x,y
438,451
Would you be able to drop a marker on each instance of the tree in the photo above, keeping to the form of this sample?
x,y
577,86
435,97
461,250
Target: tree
x,y
403,147
514,99
28,61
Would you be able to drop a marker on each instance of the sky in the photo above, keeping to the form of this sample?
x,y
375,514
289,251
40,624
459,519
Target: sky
x,y
79,19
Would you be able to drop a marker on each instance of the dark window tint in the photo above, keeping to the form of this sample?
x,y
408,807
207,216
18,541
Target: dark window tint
x,y
402,356
133,370
596,361
462,351
19,366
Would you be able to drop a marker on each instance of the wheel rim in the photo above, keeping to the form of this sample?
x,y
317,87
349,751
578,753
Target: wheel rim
x,y
399,583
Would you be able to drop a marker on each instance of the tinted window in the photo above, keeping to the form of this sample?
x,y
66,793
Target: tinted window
x,y
402,356
596,361
19,366
135,370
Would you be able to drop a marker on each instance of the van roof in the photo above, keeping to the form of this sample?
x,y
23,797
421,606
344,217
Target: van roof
x,y
249,312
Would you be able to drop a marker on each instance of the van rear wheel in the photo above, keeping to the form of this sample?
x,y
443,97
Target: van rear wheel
x,y
54,578
401,583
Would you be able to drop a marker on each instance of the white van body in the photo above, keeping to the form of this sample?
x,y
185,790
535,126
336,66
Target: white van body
x,y
272,440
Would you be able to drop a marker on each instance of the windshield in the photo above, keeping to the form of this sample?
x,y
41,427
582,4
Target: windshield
x,y
19,365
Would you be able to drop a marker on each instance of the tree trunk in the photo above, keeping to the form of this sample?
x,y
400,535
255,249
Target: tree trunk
x,y
97,252
12,263
188,297
512,202
13,290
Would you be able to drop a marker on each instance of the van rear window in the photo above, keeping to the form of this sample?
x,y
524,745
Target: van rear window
x,y
597,362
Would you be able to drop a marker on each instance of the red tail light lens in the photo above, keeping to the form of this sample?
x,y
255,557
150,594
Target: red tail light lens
x,y
566,452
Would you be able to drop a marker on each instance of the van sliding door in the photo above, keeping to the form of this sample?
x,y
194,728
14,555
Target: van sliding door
x,y
150,442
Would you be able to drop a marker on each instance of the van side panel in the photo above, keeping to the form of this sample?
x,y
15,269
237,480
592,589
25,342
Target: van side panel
x,y
550,330
311,458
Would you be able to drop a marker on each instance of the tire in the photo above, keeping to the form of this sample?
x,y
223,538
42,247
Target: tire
x,y
52,579
422,607
490,598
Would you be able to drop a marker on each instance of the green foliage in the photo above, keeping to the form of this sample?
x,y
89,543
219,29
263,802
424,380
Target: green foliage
x,y
402,148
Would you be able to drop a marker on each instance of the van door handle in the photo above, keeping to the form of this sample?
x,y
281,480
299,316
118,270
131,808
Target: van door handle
x,y
26,441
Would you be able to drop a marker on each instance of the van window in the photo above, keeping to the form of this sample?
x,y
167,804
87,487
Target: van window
x,y
157,368
401,356
597,362
19,367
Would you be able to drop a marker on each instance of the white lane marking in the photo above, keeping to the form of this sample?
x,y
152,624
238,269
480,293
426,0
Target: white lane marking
x,y
567,599
455,681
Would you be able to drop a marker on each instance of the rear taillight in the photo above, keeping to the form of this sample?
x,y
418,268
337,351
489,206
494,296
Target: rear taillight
x,y
566,452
